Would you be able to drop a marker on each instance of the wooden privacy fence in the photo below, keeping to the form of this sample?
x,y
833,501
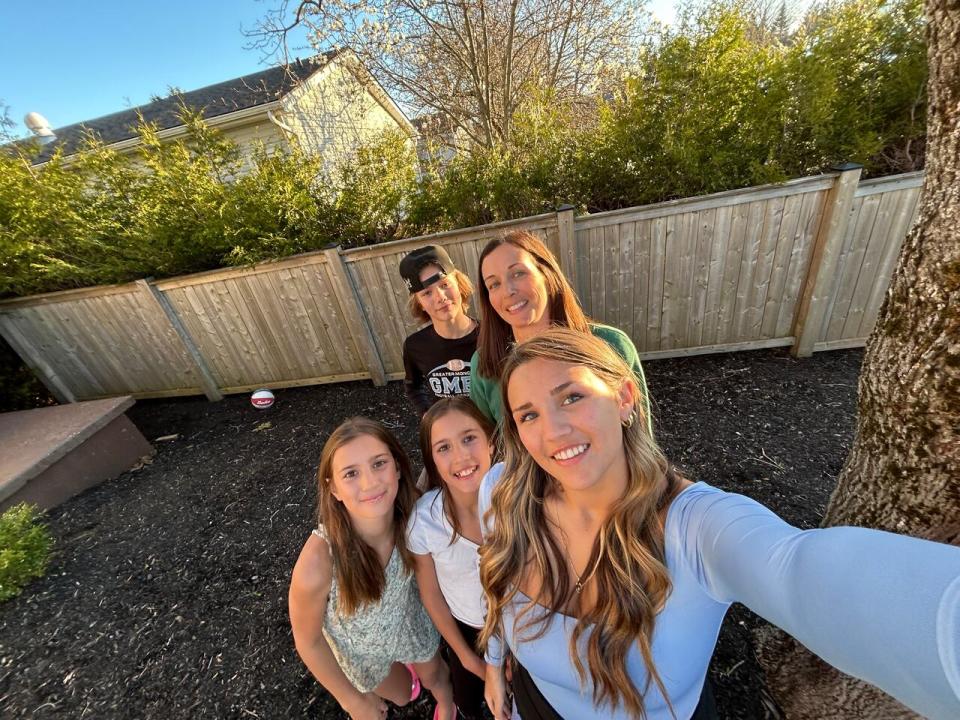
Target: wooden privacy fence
x,y
805,263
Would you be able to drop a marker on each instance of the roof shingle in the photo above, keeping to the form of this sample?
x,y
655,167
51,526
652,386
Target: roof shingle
x,y
219,99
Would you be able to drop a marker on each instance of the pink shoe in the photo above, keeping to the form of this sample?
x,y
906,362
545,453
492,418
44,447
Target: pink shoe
x,y
414,682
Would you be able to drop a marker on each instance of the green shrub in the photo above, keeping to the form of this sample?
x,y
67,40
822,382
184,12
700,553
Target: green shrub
x,y
24,549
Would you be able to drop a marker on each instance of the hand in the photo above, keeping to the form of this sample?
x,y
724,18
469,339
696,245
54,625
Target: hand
x,y
474,663
495,693
368,706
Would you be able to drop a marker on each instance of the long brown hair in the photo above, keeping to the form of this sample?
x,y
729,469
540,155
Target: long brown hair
x,y
442,408
360,577
564,307
632,582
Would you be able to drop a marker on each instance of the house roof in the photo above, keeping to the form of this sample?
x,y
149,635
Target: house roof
x,y
221,98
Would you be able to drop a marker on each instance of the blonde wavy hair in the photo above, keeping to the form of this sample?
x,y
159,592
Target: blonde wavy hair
x,y
632,582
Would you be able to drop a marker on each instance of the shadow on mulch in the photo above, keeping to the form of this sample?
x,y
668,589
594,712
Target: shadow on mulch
x,y
166,596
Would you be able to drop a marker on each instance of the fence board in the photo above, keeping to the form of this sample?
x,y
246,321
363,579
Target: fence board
x,y
704,223
688,248
625,278
334,319
725,333
658,259
786,237
57,339
611,274
256,353
718,255
671,280
873,246
595,256
748,264
907,206
766,251
34,323
864,216
640,264
811,211
163,358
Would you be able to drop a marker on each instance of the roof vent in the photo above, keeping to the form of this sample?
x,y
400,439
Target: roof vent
x,y
39,126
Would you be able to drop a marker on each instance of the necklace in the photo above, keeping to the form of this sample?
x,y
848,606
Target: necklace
x,y
581,579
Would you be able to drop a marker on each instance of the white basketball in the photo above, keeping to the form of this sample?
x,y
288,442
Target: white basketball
x,y
262,399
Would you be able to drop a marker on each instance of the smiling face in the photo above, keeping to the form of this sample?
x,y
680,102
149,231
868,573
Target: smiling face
x,y
569,420
517,290
441,300
461,451
365,477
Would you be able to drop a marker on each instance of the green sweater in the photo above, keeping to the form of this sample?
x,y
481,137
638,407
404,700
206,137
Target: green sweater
x,y
485,392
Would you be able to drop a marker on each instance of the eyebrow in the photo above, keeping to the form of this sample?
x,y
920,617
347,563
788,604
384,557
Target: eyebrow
x,y
375,457
493,275
468,431
556,391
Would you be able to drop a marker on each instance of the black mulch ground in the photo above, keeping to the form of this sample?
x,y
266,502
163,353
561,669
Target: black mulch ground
x,y
166,597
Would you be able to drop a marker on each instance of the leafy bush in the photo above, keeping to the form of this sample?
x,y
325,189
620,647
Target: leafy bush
x,y
24,549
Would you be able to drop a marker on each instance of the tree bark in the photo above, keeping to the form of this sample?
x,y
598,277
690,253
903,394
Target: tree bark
x,y
903,472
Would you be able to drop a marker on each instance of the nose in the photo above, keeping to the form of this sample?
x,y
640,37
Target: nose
x,y
367,480
554,425
460,452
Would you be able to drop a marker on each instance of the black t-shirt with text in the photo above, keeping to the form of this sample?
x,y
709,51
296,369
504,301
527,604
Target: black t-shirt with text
x,y
437,367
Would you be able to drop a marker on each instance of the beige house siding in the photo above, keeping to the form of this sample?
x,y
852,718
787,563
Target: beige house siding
x,y
337,109
248,137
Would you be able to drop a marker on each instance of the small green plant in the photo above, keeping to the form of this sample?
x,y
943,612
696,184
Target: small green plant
x,y
24,549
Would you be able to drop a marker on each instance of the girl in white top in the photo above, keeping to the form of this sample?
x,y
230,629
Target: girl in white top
x,y
444,534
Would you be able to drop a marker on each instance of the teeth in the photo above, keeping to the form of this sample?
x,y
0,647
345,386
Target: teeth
x,y
466,473
570,452
517,306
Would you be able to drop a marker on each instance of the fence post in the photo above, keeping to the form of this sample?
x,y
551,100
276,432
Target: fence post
x,y
356,319
815,295
46,374
568,244
207,382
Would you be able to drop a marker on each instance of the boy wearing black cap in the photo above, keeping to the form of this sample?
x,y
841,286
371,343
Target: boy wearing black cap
x,y
437,358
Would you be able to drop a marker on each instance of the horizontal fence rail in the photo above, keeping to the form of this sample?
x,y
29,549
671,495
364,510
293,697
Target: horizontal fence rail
x,y
805,263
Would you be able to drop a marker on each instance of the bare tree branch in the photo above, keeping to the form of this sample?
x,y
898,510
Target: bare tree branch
x,y
470,61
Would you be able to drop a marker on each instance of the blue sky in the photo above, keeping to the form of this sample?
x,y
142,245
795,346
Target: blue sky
x,y
73,61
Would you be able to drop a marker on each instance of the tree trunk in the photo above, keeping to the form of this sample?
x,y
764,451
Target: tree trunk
x,y
903,472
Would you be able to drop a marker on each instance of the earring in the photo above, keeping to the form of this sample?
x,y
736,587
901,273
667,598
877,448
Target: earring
x,y
630,419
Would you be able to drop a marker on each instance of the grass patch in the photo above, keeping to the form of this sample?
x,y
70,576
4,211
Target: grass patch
x,y
24,549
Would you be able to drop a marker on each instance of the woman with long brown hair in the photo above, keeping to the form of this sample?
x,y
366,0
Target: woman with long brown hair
x,y
607,574
523,292
357,620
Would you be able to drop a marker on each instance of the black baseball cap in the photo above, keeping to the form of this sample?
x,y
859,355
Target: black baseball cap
x,y
418,259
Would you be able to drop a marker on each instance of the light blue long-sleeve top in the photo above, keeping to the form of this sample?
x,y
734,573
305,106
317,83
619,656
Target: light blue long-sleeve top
x,y
879,606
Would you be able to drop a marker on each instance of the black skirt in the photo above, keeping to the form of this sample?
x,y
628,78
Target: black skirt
x,y
532,705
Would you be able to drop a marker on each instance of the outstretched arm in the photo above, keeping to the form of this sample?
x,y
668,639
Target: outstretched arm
x,y
309,589
882,607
